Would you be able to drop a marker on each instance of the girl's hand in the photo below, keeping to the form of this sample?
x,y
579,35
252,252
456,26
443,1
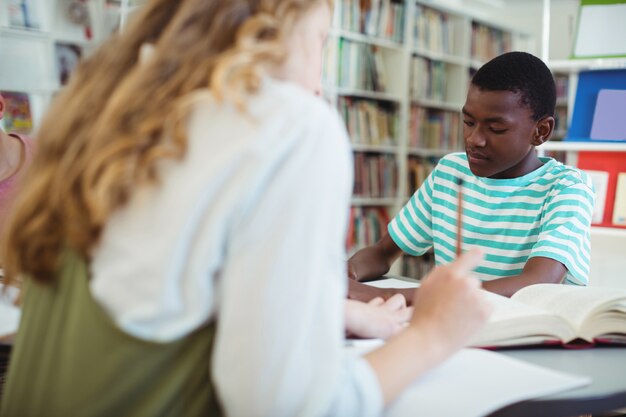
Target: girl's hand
x,y
378,318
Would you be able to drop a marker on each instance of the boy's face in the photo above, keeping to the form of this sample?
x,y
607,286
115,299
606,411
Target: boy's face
x,y
500,133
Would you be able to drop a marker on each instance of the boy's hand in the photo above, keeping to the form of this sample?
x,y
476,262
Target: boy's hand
x,y
352,272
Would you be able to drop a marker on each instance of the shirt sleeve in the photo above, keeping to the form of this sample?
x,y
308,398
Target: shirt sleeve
x,y
279,348
411,228
565,230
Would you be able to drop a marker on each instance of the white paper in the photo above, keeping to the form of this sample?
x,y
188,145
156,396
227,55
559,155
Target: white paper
x,y
477,382
393,283
601,31
9,314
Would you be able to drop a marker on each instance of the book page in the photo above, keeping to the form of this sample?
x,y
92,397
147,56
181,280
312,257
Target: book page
x,y
515,323
574,304
477,382
393,282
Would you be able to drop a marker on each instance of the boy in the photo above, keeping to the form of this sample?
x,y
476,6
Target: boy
x,y
531,215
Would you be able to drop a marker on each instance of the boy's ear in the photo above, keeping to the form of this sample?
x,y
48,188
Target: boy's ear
x,y
543,130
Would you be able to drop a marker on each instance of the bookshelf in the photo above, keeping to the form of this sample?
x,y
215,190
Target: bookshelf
x,y
421,56
559,34
39,49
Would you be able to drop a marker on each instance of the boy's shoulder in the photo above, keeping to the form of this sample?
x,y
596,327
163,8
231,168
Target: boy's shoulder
x,y
454,159
568,176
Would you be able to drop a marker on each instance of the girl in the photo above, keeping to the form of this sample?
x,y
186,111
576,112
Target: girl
x,y
187,211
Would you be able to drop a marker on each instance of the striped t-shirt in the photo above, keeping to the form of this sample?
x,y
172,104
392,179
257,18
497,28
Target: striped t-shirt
x,y
545,213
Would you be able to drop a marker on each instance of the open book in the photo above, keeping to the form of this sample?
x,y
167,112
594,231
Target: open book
x,y
548,314
556,314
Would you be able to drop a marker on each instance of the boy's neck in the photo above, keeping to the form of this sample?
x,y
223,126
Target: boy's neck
x,y
528,164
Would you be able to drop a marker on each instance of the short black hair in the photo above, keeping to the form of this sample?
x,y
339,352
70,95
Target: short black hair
x,y
522,73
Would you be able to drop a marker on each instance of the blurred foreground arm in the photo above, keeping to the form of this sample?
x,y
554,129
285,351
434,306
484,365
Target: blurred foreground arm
x,y
449,310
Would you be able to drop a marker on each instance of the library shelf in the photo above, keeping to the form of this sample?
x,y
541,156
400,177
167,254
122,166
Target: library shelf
x,y
360,147
576,65
370,40
426,152
441,56
437,104
374,95
577,146
368,201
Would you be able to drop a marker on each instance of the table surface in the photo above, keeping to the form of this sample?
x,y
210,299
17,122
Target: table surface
x,y
606,365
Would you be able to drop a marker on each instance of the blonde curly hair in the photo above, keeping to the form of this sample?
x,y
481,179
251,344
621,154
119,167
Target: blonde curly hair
x,y
118,118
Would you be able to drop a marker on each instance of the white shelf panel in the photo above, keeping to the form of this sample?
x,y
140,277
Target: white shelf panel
x,y
608,232
370,40
376,95
440,56
436,104
366,201
583,146
24,33
575,65
359,147
80,42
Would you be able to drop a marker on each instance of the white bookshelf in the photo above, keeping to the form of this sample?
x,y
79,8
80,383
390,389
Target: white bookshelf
x,y
583,146
28,62
558,27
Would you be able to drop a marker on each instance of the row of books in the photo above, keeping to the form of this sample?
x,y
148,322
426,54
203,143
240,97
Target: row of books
x,y
370,122
428,79
418,169
434,129
380,18
367,226
375,175
361,66
417,267
560,118
610,206
562,85
68,56
488,42
433,30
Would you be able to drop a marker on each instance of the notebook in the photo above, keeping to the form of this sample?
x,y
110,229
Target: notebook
x,y
479,382
609,122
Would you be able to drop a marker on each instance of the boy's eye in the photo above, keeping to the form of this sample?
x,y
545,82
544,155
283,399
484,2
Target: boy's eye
x,y
498,131
468,123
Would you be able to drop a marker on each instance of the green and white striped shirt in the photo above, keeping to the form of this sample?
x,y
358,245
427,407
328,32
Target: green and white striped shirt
x,y
545,213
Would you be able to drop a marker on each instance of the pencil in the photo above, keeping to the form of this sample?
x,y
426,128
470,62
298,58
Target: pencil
x,y
459,222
